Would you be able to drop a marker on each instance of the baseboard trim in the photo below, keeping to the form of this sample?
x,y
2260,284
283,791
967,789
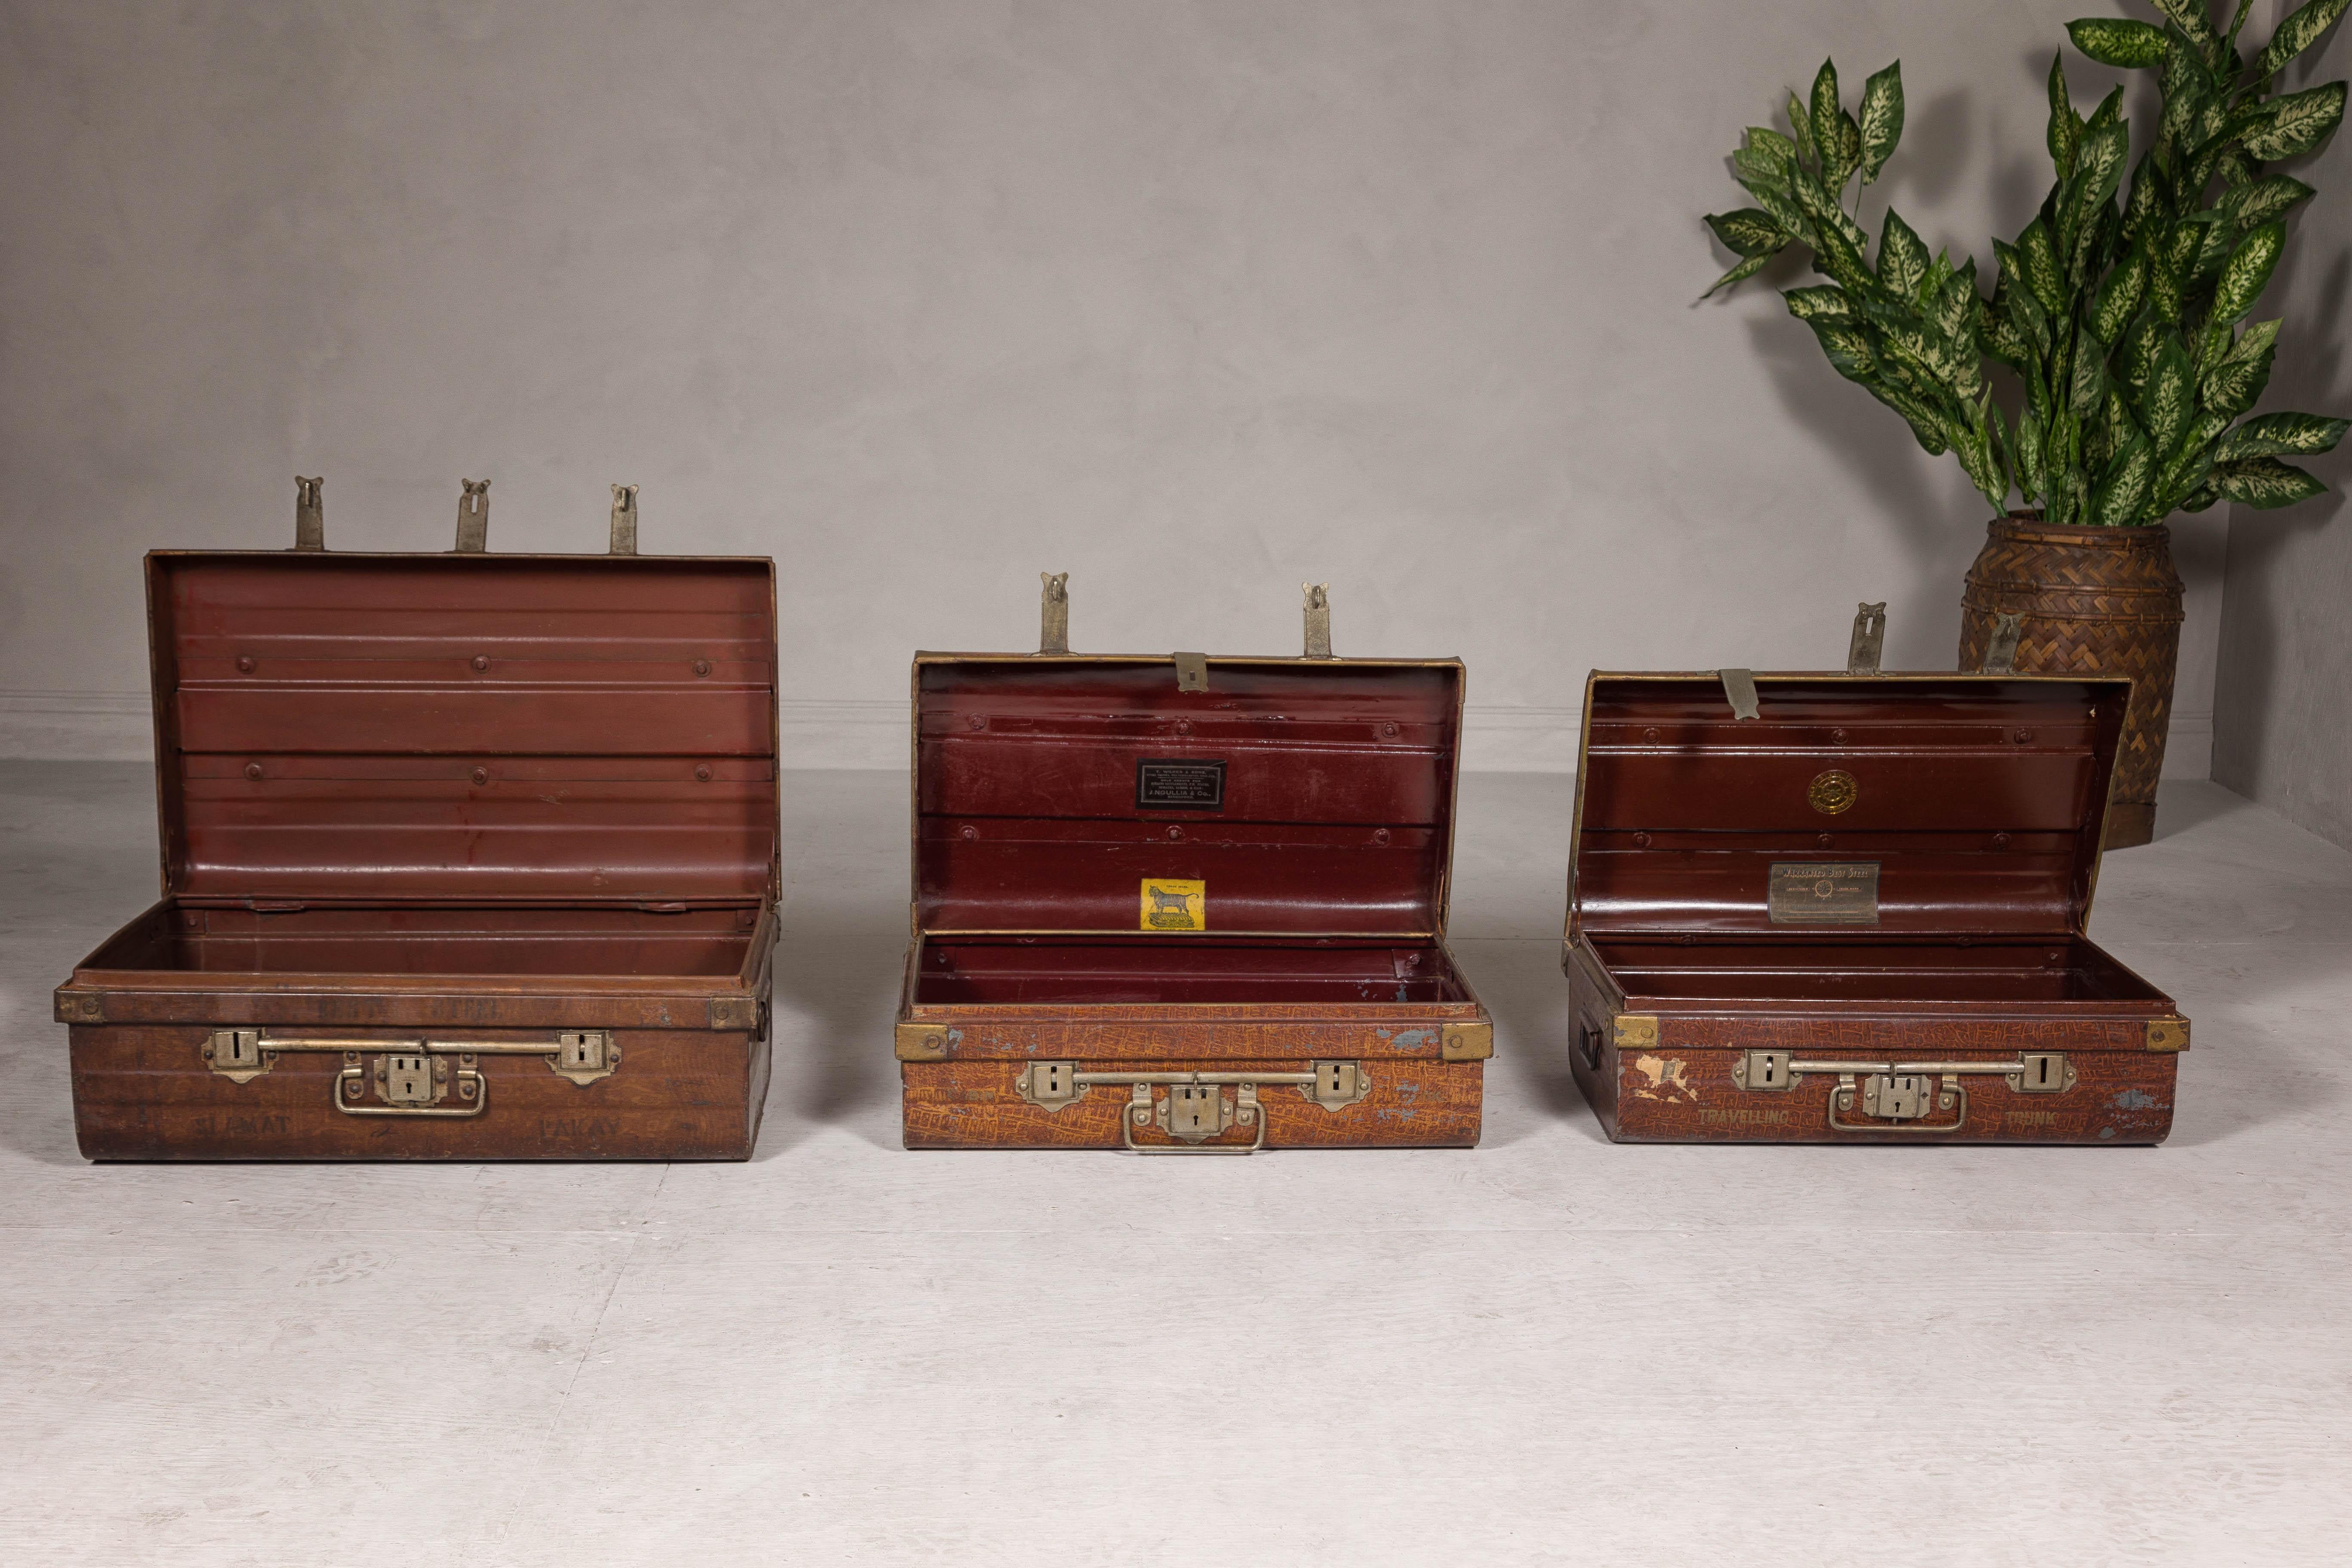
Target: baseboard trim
x,y
823,732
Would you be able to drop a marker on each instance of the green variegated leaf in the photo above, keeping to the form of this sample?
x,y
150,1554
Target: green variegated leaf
x,y
1953,310
1825,109
1747,232
2188,462
2195,24
1801,130
1997,334
1751,167
1902,257
2042,274
1839,162
2200,499
2248,272
2264,483
1979,453
2135,359
2031,477
1777,200
1882,120
2264,200
1745,270
2236,384
2119,298
2087,386
1820,205
2146,206
2123,486
1818,302
2117,42
2236,169
2065,133
2297,33
1848,349
2166,403
1927,425
1766,143
2281,435
2212,253
2300,121
2188,93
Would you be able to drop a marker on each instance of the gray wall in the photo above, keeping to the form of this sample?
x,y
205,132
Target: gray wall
x,y
1194,300
2283,727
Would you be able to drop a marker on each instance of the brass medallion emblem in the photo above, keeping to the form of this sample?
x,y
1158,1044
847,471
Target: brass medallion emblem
x,y
1832,792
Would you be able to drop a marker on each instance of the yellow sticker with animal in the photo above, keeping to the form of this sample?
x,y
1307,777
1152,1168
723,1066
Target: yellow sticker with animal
x,y
1169,904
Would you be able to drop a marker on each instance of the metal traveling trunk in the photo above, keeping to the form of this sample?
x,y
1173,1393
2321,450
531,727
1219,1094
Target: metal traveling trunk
x,y
1185,905
465,857
1850,908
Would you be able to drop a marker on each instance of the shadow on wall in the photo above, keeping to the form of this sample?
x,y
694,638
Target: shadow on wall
x,y
2260,604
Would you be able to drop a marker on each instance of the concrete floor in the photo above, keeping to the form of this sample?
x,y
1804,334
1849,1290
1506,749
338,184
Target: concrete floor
x,y
1547,1350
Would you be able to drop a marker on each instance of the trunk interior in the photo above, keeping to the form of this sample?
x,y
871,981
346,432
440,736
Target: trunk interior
x,y
1082,969
436,940
1923,971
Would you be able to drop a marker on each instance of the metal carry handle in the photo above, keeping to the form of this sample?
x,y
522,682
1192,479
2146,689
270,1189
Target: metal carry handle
x,y
1141,1113
350,1091
1949,1091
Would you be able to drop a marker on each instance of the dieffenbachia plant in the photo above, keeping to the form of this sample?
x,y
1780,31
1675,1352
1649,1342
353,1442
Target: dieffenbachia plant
x,y
2127,323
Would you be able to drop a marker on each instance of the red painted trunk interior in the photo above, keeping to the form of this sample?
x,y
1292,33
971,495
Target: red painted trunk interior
x,y
1160,968
1980,800
354,730
1336,817
1919,970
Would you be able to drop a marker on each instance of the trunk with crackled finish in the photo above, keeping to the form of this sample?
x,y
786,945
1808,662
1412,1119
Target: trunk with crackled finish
x,y
1185,905
1856,917
465,857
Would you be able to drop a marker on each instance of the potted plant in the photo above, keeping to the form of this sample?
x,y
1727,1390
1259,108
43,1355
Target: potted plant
x,y
2123,311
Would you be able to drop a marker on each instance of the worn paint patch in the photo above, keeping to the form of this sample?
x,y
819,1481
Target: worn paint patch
x,y
1408,1091
2106,1131
1666,1079
2134,1100
1413,1039
955,1035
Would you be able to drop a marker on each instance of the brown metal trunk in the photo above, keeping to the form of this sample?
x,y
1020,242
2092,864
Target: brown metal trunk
x,y
2095,601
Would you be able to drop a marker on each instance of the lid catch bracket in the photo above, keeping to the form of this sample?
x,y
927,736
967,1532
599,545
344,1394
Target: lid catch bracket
x,y
2001,649
474,517
625,520
1319,619
1054,613
1862,655
310,512
1739,690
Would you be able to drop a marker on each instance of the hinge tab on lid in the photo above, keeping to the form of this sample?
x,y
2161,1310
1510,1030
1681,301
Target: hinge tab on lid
x,y
1739,690
1319,619
1192,671
1053,614
625,520
1862,654
474,517
2001,652
310,512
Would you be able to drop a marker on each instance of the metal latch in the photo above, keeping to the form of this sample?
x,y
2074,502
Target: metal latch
x,y
1192,671
310,512
1897,1096
474,517
625,520
2042,1072
1196,1112
237,1054
585,1057
1902,1091
1739,690
411,1077
1319,619
1053,614
1863,652
1193,1107
2001,649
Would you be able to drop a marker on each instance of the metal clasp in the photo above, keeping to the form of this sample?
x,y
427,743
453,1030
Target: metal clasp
x,y
585,1057
1739,690
625,520
1319,619
474,517
1054,613
237,1054
1862,653
2001,650
310,512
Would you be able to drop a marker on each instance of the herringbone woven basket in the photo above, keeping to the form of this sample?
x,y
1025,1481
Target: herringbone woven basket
x,y
2096,601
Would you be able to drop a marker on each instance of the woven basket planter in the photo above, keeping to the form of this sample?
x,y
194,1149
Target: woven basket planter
x,y
2095,601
